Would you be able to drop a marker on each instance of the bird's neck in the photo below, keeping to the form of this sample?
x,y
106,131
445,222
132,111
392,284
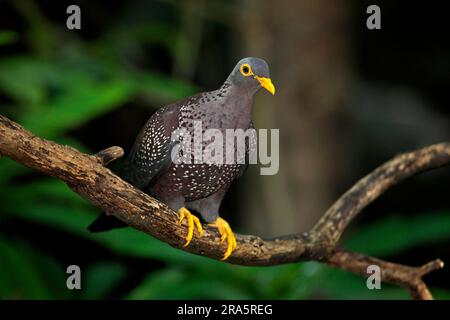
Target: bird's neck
x,y
237,106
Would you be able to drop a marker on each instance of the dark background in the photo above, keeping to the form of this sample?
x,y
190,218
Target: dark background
x,y
347,100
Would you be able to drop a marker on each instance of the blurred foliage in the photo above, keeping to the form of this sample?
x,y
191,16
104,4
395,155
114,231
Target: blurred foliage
x,y
52,92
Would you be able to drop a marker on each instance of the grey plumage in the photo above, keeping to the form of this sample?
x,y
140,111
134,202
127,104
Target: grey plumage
x,y
202,186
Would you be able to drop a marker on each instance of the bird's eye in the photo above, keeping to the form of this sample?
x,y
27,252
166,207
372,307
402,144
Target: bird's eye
x,y
246,70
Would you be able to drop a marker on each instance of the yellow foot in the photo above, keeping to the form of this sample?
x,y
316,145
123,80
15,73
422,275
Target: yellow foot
x,y
226,234
192,222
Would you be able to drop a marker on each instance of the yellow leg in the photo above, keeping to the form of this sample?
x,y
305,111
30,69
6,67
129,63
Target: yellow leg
x,y
192,221
226,234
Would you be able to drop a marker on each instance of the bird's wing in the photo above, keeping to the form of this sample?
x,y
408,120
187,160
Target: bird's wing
x,y
148,159
150,155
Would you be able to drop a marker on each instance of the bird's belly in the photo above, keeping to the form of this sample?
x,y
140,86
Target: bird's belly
x,y
195,181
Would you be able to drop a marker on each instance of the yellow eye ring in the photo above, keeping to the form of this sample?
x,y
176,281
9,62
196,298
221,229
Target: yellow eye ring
x,y
246,70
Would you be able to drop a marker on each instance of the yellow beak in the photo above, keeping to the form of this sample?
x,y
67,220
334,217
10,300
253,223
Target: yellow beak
x,y
266,83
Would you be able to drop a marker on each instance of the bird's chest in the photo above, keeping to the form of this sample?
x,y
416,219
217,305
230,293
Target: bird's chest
x,y
203,134
195,181
204,164
206,159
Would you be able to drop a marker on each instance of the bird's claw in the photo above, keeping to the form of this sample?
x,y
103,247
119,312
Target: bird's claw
x,y
225,234
192,221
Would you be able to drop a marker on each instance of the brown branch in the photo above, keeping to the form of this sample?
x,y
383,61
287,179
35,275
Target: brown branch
x,y
108,155
87,176
406,276
366,190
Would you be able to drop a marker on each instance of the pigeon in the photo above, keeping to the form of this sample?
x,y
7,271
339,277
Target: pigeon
x,y
162,160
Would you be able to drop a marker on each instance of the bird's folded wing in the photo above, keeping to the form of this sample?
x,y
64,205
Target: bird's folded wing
x,y
150,156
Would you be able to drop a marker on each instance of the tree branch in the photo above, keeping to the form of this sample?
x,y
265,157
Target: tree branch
x,y
87,176
406,276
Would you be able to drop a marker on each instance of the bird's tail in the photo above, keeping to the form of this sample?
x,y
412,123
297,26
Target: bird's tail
x,y
105,223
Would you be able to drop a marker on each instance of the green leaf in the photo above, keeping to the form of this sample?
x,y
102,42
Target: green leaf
x,y
174,283
83,103
340,284
101,278
24,274
8,37
161,88
55,205
9,169
133,34
397,233
23,79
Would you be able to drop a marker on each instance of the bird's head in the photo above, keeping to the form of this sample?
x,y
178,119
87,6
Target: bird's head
x,y
252,73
